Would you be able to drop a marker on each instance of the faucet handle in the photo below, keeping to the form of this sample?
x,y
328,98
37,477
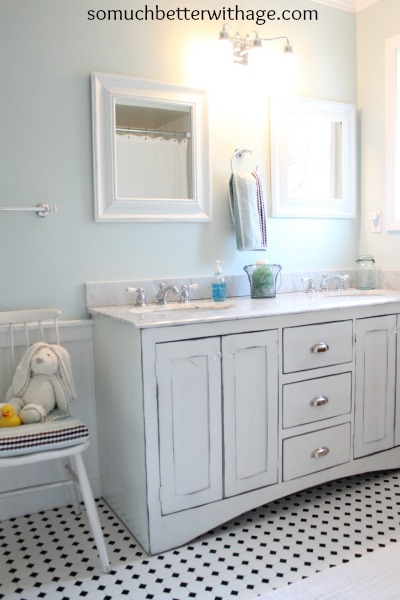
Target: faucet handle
x,y
323,286
184,297
310,284
140,299
341,279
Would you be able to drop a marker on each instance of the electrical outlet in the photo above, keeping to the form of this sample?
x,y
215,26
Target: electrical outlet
x,y
375,217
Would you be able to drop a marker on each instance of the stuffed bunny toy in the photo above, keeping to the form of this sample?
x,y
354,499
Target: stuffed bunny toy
x,y
42,382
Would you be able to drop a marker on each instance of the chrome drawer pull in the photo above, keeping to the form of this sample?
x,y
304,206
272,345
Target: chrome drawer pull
x,y
320,452
321,347
319,401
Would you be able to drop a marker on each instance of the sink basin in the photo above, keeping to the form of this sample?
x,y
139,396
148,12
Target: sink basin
x,y
182,306
353,292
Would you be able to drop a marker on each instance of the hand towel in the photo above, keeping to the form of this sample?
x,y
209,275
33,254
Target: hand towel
x,y
247,209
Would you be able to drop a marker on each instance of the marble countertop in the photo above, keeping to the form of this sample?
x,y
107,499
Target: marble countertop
x,y
205,311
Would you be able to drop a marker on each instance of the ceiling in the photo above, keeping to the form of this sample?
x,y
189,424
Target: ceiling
x,y
350,5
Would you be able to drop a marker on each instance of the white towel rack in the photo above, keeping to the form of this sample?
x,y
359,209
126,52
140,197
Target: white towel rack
x,y
239,153
42,210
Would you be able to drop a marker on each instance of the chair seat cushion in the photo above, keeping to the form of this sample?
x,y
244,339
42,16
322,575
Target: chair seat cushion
x,y
54,432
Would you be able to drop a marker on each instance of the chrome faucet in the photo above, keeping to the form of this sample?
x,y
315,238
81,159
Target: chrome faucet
x,y
185,297
310,289
340,281
163,293
140,297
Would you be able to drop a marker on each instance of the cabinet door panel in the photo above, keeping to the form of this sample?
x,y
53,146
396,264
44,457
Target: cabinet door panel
x,y
375,385
250,384
189,397
397,426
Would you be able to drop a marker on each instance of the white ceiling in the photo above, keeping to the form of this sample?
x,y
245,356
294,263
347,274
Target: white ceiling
x,y
350,5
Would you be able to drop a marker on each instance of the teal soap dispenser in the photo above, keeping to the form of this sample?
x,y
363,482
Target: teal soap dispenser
x,y
218,285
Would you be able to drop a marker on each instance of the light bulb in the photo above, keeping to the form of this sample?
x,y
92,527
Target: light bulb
x,y
256,58
288,66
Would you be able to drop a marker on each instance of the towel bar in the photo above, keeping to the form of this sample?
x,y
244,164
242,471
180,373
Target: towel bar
x,y
42,210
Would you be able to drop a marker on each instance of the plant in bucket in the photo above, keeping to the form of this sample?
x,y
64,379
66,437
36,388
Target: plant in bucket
x,y
262,277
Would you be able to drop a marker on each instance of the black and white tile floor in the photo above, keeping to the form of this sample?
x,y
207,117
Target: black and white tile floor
x,y
51,554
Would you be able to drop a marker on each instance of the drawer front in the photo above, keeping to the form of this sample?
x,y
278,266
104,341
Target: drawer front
x,y
316,399
312,452
315,346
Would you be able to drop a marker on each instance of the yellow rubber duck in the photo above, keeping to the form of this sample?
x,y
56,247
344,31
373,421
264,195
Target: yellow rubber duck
x,y
8,418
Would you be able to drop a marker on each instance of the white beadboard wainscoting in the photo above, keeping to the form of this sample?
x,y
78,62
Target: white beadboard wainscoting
x,y
77,338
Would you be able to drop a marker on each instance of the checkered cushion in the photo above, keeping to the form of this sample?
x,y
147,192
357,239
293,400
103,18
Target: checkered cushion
x,y
56,431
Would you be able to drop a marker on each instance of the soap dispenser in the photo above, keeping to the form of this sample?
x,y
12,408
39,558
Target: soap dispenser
x,y
218,285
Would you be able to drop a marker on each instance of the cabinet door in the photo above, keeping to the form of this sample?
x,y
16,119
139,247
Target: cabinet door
x,y
397,410
189,412
250,384
375,384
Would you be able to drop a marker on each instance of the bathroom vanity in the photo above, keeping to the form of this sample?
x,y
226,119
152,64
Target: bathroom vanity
x,y
204,414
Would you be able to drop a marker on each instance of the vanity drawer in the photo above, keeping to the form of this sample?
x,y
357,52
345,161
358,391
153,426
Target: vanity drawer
x,y
316,399
312,452
314,346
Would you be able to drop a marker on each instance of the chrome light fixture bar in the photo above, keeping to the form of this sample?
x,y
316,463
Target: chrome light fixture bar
x,y
241,47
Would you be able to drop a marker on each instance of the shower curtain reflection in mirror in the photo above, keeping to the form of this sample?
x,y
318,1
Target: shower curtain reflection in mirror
x,y
151,166
152,149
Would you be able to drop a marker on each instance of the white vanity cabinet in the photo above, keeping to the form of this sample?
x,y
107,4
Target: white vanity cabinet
x,y
203,418
316,397
191,402
376,365
250,399
188,377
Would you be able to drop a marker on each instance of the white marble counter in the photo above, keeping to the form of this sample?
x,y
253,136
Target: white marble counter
x,y
203,311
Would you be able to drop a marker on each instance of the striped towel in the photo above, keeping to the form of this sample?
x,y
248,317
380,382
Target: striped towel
x,y
247,208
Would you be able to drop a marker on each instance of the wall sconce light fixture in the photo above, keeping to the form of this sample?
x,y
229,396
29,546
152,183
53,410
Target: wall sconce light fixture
x,y
249,50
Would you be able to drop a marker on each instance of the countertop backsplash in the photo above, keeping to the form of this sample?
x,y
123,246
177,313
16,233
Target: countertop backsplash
x,y
113,293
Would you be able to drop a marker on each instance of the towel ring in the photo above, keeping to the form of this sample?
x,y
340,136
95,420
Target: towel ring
x,y
239,153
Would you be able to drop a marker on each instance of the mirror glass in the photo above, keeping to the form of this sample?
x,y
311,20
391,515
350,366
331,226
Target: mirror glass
x,y
313,158
151,159
157,138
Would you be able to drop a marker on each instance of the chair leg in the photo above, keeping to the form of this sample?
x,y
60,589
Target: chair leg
x,y
91,511
73,492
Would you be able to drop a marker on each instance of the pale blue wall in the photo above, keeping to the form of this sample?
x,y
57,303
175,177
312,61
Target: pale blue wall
x,y
48,50
375,24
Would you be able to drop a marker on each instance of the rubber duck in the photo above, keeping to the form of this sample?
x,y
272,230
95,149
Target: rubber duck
x,y
8,418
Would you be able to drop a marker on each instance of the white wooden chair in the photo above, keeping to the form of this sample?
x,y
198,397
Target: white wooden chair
x,y
59,437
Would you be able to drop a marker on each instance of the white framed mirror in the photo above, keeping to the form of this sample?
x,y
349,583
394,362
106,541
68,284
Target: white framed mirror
x,y
313,158
150,151
392,124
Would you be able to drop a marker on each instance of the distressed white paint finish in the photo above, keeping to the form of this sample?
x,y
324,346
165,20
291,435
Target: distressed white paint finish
x,y
189,420
134,469
375,384
301,453
250,382
299,342
316,399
